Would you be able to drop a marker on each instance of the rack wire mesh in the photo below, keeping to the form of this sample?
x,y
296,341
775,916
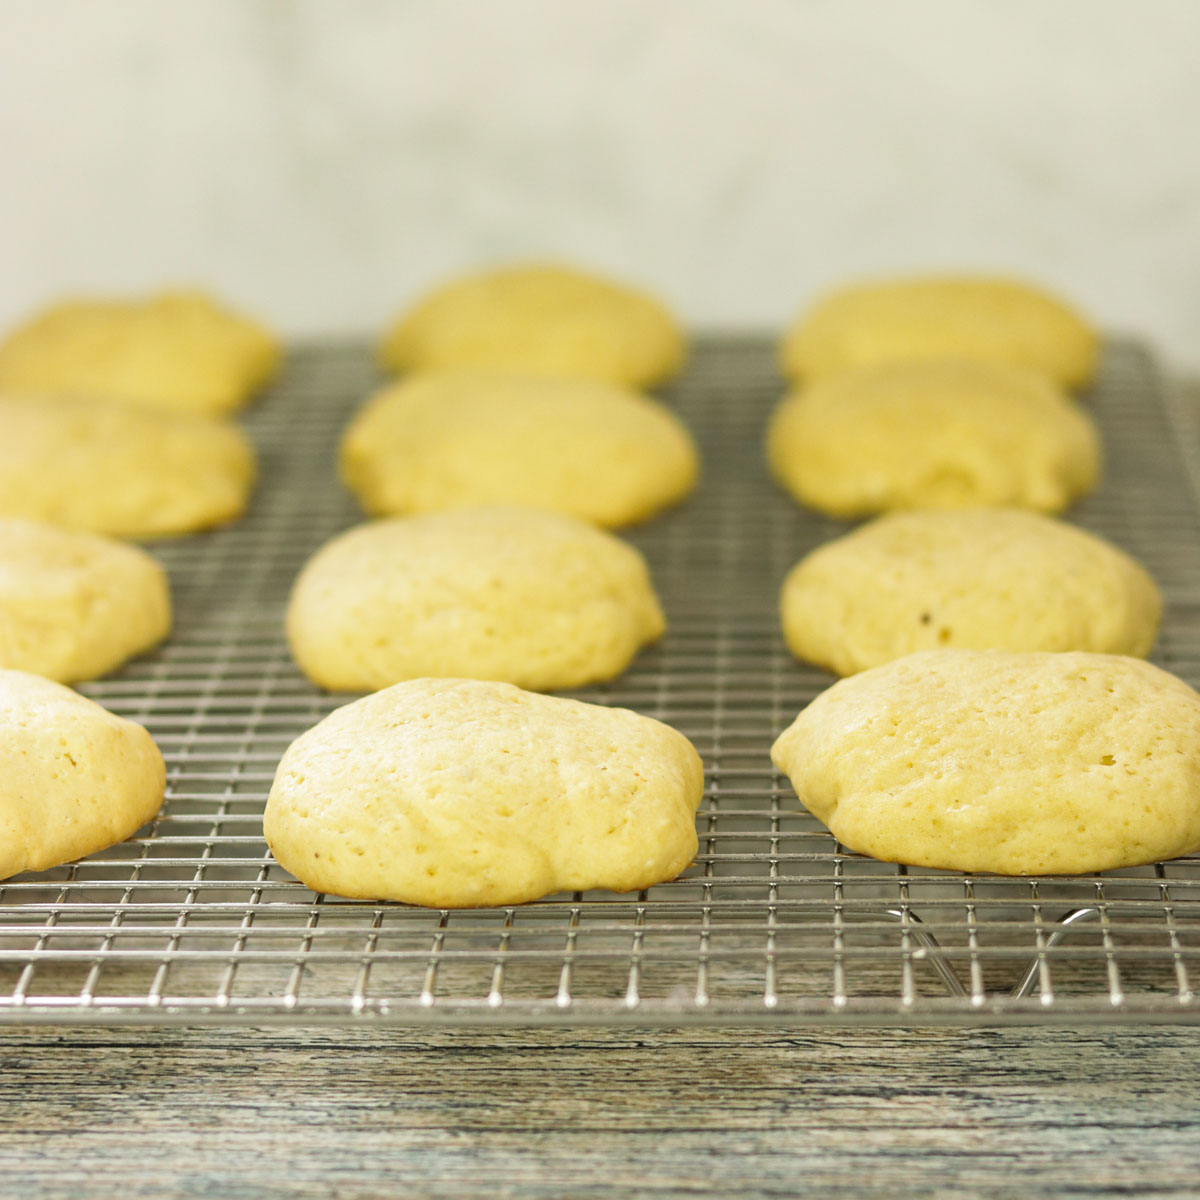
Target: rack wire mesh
x,y
192,921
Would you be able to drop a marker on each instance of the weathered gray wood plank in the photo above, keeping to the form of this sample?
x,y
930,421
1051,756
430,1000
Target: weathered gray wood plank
x,y
364,1113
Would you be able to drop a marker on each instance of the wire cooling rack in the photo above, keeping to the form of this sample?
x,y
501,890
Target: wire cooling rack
x,y
193,921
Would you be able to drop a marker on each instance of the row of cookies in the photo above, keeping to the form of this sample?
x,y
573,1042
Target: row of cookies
x,y
455,791
92,443
936,392
112,415
1017,762
941,404
447,792
497,591
108,407
112,421
184,352
96,381
555,600
949,397
495,430
107,426
492,354
523,386
460,792
901,762
308,803
1032,742
517,429
518,421
437,791
500,592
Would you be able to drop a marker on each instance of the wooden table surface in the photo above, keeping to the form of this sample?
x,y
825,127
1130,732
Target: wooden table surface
x,y
371,1112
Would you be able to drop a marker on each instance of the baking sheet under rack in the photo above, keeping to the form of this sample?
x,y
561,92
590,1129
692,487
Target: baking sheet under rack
x,y
192,921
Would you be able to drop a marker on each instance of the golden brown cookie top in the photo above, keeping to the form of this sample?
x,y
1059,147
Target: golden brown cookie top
x,y
74,778
987,578
534,598
922,318
111,468
454,439
539,318
455,793
1015,763
944,434
181,351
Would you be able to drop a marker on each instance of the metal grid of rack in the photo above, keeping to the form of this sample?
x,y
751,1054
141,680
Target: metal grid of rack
x,y
193,921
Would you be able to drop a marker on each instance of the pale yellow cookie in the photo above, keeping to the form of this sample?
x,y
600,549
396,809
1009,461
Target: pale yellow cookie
x,y
534,598
539,319
74,778
988,760
109,468
458,439
455,793
74,606
951,434
180,351
986,578
988,320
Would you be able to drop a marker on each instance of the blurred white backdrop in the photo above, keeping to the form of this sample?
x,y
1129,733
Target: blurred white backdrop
x,y
321,163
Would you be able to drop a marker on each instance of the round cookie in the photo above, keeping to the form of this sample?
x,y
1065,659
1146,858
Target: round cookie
x,y
74,778
458,439
74,606
112,469
977,580
539,319
919,319
534,598
454,793
1011,763
951,434
180,351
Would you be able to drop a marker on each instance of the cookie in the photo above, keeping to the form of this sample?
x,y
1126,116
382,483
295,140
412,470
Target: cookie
x,y
539,319
456,793
180,351
74,778
920,319
113,469
534,598
1012,763
459,439
932,435
74,606
980,579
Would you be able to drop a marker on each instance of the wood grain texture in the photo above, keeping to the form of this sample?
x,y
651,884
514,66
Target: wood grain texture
x,y
364,1113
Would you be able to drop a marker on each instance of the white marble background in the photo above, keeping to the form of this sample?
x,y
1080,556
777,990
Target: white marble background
x,y
321,162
